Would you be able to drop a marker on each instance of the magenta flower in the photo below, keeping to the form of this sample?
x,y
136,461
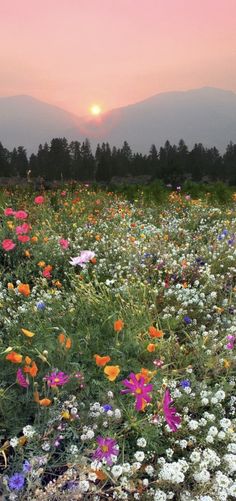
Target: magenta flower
x,y
107,447
170,412
57,379
232,342
21,379
139,389
8,244
83,258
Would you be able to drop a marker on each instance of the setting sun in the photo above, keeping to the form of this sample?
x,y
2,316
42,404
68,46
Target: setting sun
x,y
95,109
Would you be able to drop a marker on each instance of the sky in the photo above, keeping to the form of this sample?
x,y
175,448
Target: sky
x,y
77,53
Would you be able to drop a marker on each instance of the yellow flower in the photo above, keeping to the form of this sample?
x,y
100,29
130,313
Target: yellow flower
x,y
28,333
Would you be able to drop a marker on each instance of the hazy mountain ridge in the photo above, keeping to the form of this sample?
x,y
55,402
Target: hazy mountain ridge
x,y
206,115
27,121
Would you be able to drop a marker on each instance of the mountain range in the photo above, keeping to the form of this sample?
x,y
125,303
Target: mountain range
x,y
206,115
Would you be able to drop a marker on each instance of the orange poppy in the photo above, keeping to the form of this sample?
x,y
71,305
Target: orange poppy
x,y
148,375
24,289
34,240
57,283
14,357
112,371
100,474
118,325
41,264
101,361
68,343
151,347
155,332
33,370
61,338
64,341
45,402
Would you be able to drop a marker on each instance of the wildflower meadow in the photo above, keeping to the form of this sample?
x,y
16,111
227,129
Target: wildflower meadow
x,y
117,346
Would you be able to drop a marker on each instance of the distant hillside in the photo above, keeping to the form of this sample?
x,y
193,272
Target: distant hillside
x,y
206,115
28,122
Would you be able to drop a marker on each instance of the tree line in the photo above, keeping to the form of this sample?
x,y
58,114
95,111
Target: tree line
x,y
75,160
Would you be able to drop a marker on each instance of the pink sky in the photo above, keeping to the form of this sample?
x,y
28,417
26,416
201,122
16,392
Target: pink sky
x,y
73,53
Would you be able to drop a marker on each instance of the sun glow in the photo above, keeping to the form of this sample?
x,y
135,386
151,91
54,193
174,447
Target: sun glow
x,y
95,109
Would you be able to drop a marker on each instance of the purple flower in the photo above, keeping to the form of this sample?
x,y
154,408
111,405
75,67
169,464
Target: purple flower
x,y
187,320
232,342
26,466
16,482
107,407
21,379
170,412
40,306
185,383
84,257
107,447
57,378
139,389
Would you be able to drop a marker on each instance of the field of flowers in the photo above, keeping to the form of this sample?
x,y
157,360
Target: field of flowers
x,y
117,347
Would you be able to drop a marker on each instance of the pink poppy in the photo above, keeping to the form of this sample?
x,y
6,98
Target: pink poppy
x,y
9,212
64,243
23,238
24,228
46,274
21,214
8,244
39,200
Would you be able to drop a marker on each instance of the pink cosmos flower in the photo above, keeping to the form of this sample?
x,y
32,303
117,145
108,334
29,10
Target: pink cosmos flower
x,y
21,379
64,243
107,447
24,228
170,412
83,258
8,244
139,389
57,378
23,238
39,200
21,214
63,193
9,212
